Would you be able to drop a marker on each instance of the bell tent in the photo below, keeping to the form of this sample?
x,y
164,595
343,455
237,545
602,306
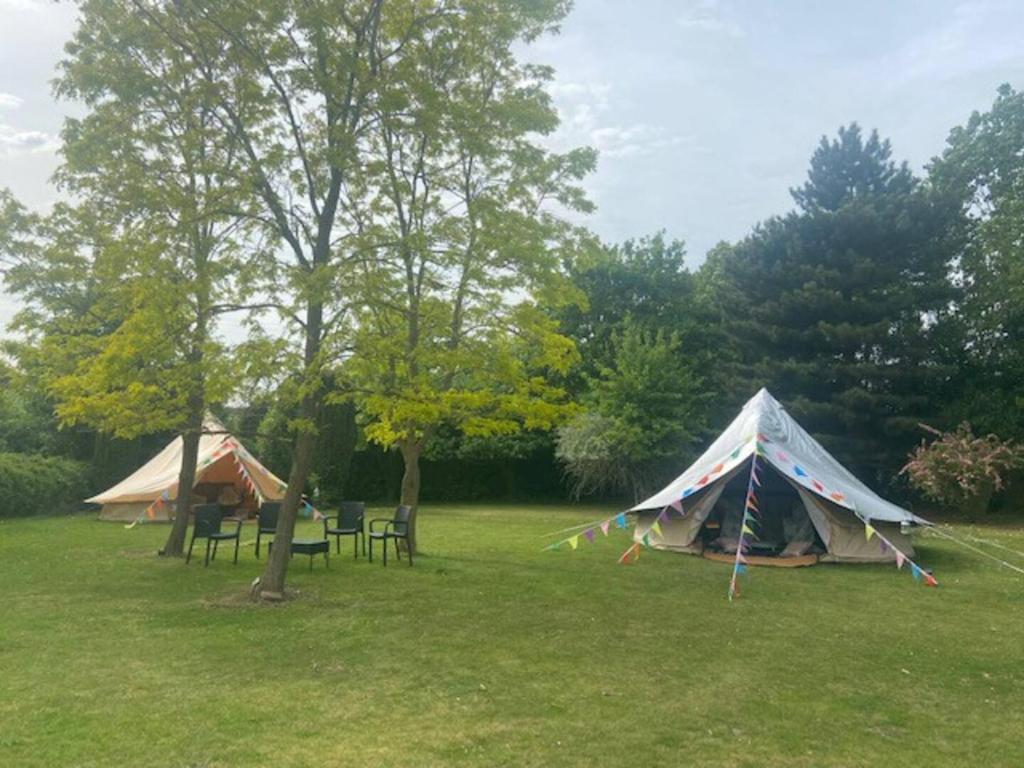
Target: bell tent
x,y
810,507
225,472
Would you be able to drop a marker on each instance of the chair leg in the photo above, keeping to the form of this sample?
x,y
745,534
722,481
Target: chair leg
x,y
207,562
363,535
237,541
384,541
188,557
257,542
327,558
398,550
355,545
408,552
371,550
215,543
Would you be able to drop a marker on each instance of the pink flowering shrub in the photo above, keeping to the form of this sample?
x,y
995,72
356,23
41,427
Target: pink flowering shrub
x,y
960,469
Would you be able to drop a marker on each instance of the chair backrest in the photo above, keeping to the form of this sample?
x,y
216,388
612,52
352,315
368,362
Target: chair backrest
x,y
350,513
268,514
401,518
207,519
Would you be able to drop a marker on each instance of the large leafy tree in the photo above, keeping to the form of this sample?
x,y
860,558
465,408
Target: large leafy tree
x,y
461,208
982,170
652,357
157,237
835,306
292,84
644,409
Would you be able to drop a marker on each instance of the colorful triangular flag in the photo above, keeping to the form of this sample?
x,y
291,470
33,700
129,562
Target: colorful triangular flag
x,y
589,534
656,527
574,541
868,531
604,527
900,558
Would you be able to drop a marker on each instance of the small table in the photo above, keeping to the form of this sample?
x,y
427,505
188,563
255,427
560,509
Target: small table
x,y
309,547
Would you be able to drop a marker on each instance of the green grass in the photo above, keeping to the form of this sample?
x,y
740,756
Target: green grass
x,y
490,652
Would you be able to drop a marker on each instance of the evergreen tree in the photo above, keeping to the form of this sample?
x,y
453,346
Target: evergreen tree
x,y
835,307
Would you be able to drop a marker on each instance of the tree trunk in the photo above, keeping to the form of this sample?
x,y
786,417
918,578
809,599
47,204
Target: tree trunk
x,y
175,546
273,579
411,450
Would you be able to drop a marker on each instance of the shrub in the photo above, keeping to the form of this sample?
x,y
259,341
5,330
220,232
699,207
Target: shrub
x,y
34,485
961,469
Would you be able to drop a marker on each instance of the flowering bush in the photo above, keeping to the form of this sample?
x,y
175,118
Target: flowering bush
x,y
961,469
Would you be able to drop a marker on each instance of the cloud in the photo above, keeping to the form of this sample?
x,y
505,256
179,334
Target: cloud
x,y
22,5
707,16
978,36
14,141
633,140
9,101
584,109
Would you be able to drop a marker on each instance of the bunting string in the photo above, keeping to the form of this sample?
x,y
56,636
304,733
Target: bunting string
x,y
750,513
149,513
916,571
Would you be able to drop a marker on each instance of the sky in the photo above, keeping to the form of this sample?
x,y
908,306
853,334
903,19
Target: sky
x,y
705,112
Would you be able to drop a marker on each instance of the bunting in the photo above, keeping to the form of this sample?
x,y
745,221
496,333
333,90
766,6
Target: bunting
x,y
589,530
631,555
750,511
149,513
918,573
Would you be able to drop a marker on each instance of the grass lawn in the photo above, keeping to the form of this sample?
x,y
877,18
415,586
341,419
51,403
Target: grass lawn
x,y
490,652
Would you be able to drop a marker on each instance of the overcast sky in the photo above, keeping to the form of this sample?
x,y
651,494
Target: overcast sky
x,y
705,111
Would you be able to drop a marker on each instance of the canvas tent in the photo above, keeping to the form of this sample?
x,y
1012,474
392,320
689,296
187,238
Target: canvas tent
x,y
223,465
816,487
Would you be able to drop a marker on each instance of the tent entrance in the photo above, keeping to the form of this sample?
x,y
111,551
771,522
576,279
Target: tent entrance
x,y
786,535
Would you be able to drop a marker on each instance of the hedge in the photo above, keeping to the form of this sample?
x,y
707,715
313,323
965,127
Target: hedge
x,y
35,485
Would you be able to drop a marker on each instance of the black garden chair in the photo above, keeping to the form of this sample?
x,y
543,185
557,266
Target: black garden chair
x,y
394,528
206,523
266,521
350,521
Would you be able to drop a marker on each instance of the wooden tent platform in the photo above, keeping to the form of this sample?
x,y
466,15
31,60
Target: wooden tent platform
x,y
771,562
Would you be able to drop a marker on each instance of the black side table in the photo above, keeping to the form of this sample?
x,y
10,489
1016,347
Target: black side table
x,y
309,547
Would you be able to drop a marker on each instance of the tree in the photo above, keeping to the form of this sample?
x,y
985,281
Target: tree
x,y
982,170
462,210
291,84
642,416
162,225
835,307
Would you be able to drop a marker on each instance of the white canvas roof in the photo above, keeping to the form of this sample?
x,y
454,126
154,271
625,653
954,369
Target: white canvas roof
x,y
764,426
160,473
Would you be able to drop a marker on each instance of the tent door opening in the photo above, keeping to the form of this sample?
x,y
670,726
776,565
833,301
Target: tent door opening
x,y
786,530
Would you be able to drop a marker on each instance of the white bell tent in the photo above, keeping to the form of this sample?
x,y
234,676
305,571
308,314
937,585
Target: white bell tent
x,y
814,508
